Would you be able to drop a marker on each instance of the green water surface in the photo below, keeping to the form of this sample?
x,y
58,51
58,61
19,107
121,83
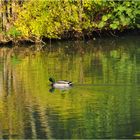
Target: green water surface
x,y
103,103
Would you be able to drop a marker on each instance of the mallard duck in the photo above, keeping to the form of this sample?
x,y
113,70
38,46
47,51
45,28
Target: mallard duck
x,y
60,84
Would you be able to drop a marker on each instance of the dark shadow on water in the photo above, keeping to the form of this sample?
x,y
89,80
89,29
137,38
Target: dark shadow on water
x,y
52,89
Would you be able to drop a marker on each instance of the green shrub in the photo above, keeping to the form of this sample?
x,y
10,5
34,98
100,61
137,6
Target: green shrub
x,y
52,19
13,32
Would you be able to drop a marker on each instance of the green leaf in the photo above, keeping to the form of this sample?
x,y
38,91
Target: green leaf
x,y
121,8
104,18
113,26
101,24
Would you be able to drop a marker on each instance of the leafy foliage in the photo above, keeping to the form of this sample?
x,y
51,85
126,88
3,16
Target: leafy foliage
x,y
54,19
13,32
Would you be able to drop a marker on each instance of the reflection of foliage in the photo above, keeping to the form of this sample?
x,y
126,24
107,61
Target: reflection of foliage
x,y
15,60
84,111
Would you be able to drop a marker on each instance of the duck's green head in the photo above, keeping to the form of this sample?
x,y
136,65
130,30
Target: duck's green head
x,y
52,80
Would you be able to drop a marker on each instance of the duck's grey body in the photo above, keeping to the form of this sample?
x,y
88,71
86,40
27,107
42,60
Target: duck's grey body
x,y
60,84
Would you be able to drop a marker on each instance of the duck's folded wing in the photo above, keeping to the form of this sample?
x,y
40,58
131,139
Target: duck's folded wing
x,y
63,82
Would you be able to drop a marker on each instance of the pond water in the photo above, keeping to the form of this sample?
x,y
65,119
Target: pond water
x,y
103,103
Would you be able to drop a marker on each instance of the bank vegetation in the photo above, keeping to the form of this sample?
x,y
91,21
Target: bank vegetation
x,y
38,20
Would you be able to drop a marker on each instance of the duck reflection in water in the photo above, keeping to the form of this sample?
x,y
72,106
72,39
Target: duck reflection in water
x,y
62,85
